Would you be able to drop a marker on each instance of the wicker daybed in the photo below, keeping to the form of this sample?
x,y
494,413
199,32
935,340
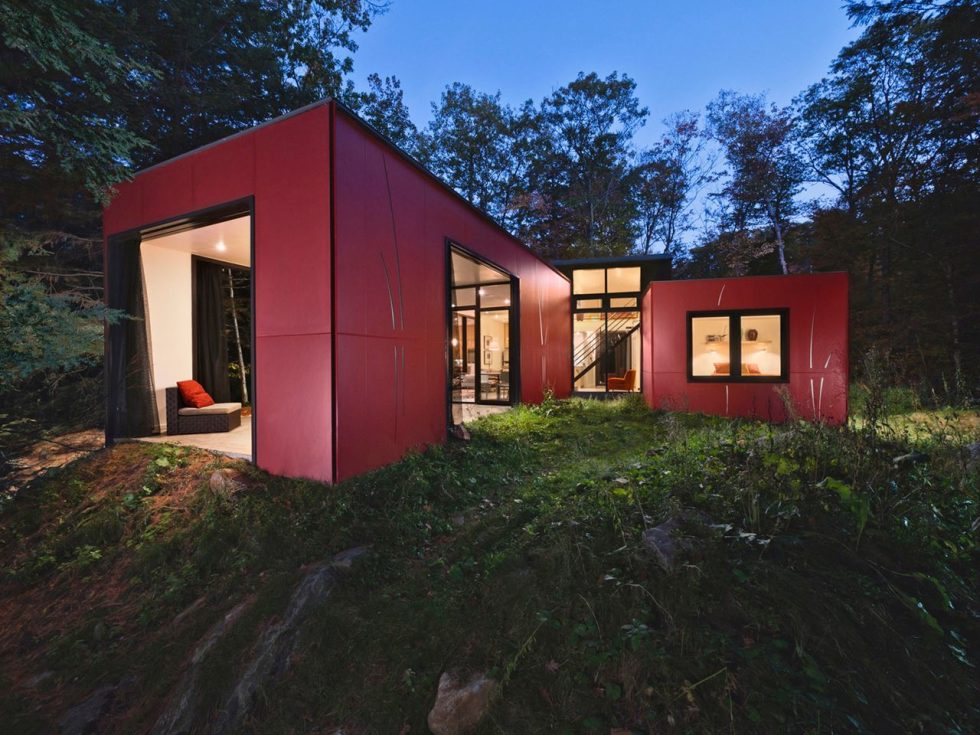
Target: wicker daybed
x,y
217,417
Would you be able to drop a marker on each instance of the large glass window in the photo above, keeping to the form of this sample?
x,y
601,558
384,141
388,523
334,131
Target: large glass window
x,y
762,345
606,329
495,296
588,346
622,280
589,280
711,346
495,355
738,346
606,280
606,351
481,332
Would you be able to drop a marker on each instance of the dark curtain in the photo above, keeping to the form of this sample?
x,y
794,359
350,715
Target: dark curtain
x,y
210,337
132,408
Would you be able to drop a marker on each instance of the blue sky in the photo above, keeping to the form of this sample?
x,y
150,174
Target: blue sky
x,y
680,53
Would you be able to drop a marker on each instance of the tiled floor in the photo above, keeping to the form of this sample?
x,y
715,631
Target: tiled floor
x,y
234,443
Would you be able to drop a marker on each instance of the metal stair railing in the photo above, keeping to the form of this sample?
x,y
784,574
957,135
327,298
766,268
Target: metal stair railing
x,y
593,340
614,345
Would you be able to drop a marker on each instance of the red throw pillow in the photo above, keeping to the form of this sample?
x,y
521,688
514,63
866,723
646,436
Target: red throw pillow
x,y
193,394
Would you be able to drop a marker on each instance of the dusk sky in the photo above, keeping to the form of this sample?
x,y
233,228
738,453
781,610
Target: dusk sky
x,y
681,53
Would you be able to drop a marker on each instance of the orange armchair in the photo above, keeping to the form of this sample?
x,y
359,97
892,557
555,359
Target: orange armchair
x,y
627,382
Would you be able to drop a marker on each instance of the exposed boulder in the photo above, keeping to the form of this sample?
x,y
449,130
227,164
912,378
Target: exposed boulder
x,y
178,714
659,541
460,705
912,457
662,541
87,717
83,718
38,679
973,456
276,646
226,481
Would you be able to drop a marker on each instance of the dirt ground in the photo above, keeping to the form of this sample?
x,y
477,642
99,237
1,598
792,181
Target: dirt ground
x,y
54,452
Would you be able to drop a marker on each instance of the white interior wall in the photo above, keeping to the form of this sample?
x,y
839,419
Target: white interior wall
x,y
169,301
635,353
765,352
496,329
581,331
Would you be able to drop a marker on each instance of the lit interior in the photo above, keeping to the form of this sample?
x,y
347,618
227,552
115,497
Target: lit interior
x,y
760,345
481,334
168,281
710,348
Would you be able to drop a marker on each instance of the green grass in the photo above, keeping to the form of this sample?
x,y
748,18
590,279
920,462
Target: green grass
x,y
842,598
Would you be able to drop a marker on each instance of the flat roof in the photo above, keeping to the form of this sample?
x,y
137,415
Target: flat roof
x,y
408,157
611,260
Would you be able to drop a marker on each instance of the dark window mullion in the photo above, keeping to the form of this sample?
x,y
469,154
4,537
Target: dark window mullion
x,y
604,355
735,346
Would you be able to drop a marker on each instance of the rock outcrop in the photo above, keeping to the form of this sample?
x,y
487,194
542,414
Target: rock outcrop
x,y
275,648
460,705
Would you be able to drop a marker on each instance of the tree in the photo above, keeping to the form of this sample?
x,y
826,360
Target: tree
x,y
894,128
668,176
90,90
226,65
60,138
61,148
61,131
765,172
474,143
383,107
581,177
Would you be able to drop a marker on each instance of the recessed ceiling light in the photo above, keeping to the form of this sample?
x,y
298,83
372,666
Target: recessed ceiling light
x,y
220,247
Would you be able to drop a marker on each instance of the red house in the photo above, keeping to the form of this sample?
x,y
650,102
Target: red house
x,y
382,309
758,347
382,304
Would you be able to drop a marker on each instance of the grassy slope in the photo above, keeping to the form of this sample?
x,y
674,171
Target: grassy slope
x,y
853,608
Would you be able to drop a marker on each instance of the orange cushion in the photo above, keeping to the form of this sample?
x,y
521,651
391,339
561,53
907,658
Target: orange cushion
x,y
721,368
750,368
193,394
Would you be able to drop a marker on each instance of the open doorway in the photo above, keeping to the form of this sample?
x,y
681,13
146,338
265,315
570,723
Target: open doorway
x,y
484,355
187,286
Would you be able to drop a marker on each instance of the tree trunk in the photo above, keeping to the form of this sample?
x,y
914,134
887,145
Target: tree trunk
x,y
780,247
953,318
238,336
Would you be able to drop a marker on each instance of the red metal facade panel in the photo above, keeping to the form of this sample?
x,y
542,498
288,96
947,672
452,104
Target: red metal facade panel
x,y
285,166
293,406
646,345
818,334
292,225
391,223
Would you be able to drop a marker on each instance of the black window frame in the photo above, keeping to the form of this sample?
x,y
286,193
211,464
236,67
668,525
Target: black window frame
x,y
735,346
514,308
605,285
608,311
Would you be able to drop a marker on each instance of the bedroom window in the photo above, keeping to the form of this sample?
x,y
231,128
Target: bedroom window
x,y
738,346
